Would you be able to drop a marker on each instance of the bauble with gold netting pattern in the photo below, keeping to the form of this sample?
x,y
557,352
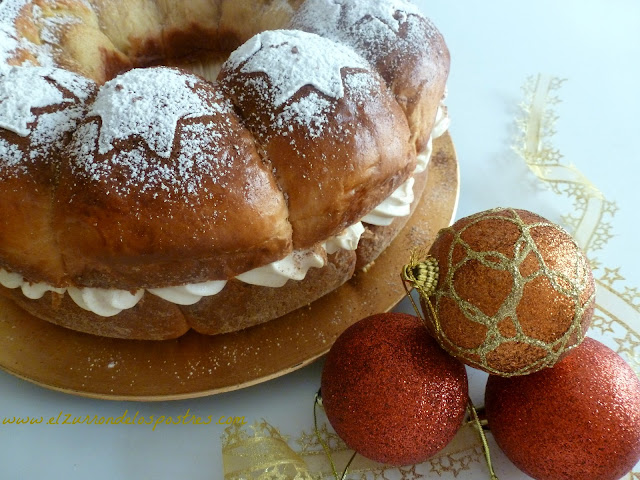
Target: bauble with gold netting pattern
x,y
514,292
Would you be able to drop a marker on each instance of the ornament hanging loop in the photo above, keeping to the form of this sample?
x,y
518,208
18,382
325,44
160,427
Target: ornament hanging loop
x,y
422,275
317,402
477,423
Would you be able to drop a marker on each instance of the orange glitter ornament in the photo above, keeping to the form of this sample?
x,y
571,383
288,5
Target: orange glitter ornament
x,y
514,292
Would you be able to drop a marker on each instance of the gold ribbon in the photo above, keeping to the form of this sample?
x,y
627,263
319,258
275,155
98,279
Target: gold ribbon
x,y
261,452
265,455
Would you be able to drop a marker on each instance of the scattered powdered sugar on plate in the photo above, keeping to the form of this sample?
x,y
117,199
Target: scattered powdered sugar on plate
x,y
292,59
147,102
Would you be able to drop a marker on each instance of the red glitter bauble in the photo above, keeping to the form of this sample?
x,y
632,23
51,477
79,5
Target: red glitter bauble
x,y
577,420
390,392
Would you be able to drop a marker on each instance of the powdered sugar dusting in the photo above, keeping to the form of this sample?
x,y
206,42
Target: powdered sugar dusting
x,y
122,169
292,59
200,155
391,13
9,43
310,112
85,140
360,85
50,130
202,151
10,154
48,26
22,90
148,103
81,87
52,25
371,28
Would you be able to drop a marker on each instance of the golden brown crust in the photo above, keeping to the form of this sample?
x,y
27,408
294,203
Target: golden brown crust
x,y
418,81
26,238
294,190
28,166
25,216
237,306
209,216
330,180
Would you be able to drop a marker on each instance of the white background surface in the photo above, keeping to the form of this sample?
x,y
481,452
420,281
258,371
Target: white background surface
x,y
495,46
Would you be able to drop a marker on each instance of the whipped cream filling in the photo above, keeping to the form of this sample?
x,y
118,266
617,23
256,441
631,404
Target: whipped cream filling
x,y
109,302
398,204
292,267
190,293
104,302
346,240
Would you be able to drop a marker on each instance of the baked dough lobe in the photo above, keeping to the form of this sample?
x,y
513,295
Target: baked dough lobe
x,y
121,178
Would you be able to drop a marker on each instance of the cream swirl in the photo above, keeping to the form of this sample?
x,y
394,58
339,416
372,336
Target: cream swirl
x,y
292,267
104,302
190,293
30,290
346,240
398,204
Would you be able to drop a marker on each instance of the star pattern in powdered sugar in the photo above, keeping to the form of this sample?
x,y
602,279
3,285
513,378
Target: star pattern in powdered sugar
x,y
371,28
389,12
23,89
292,59
148,103
343,14
41,104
